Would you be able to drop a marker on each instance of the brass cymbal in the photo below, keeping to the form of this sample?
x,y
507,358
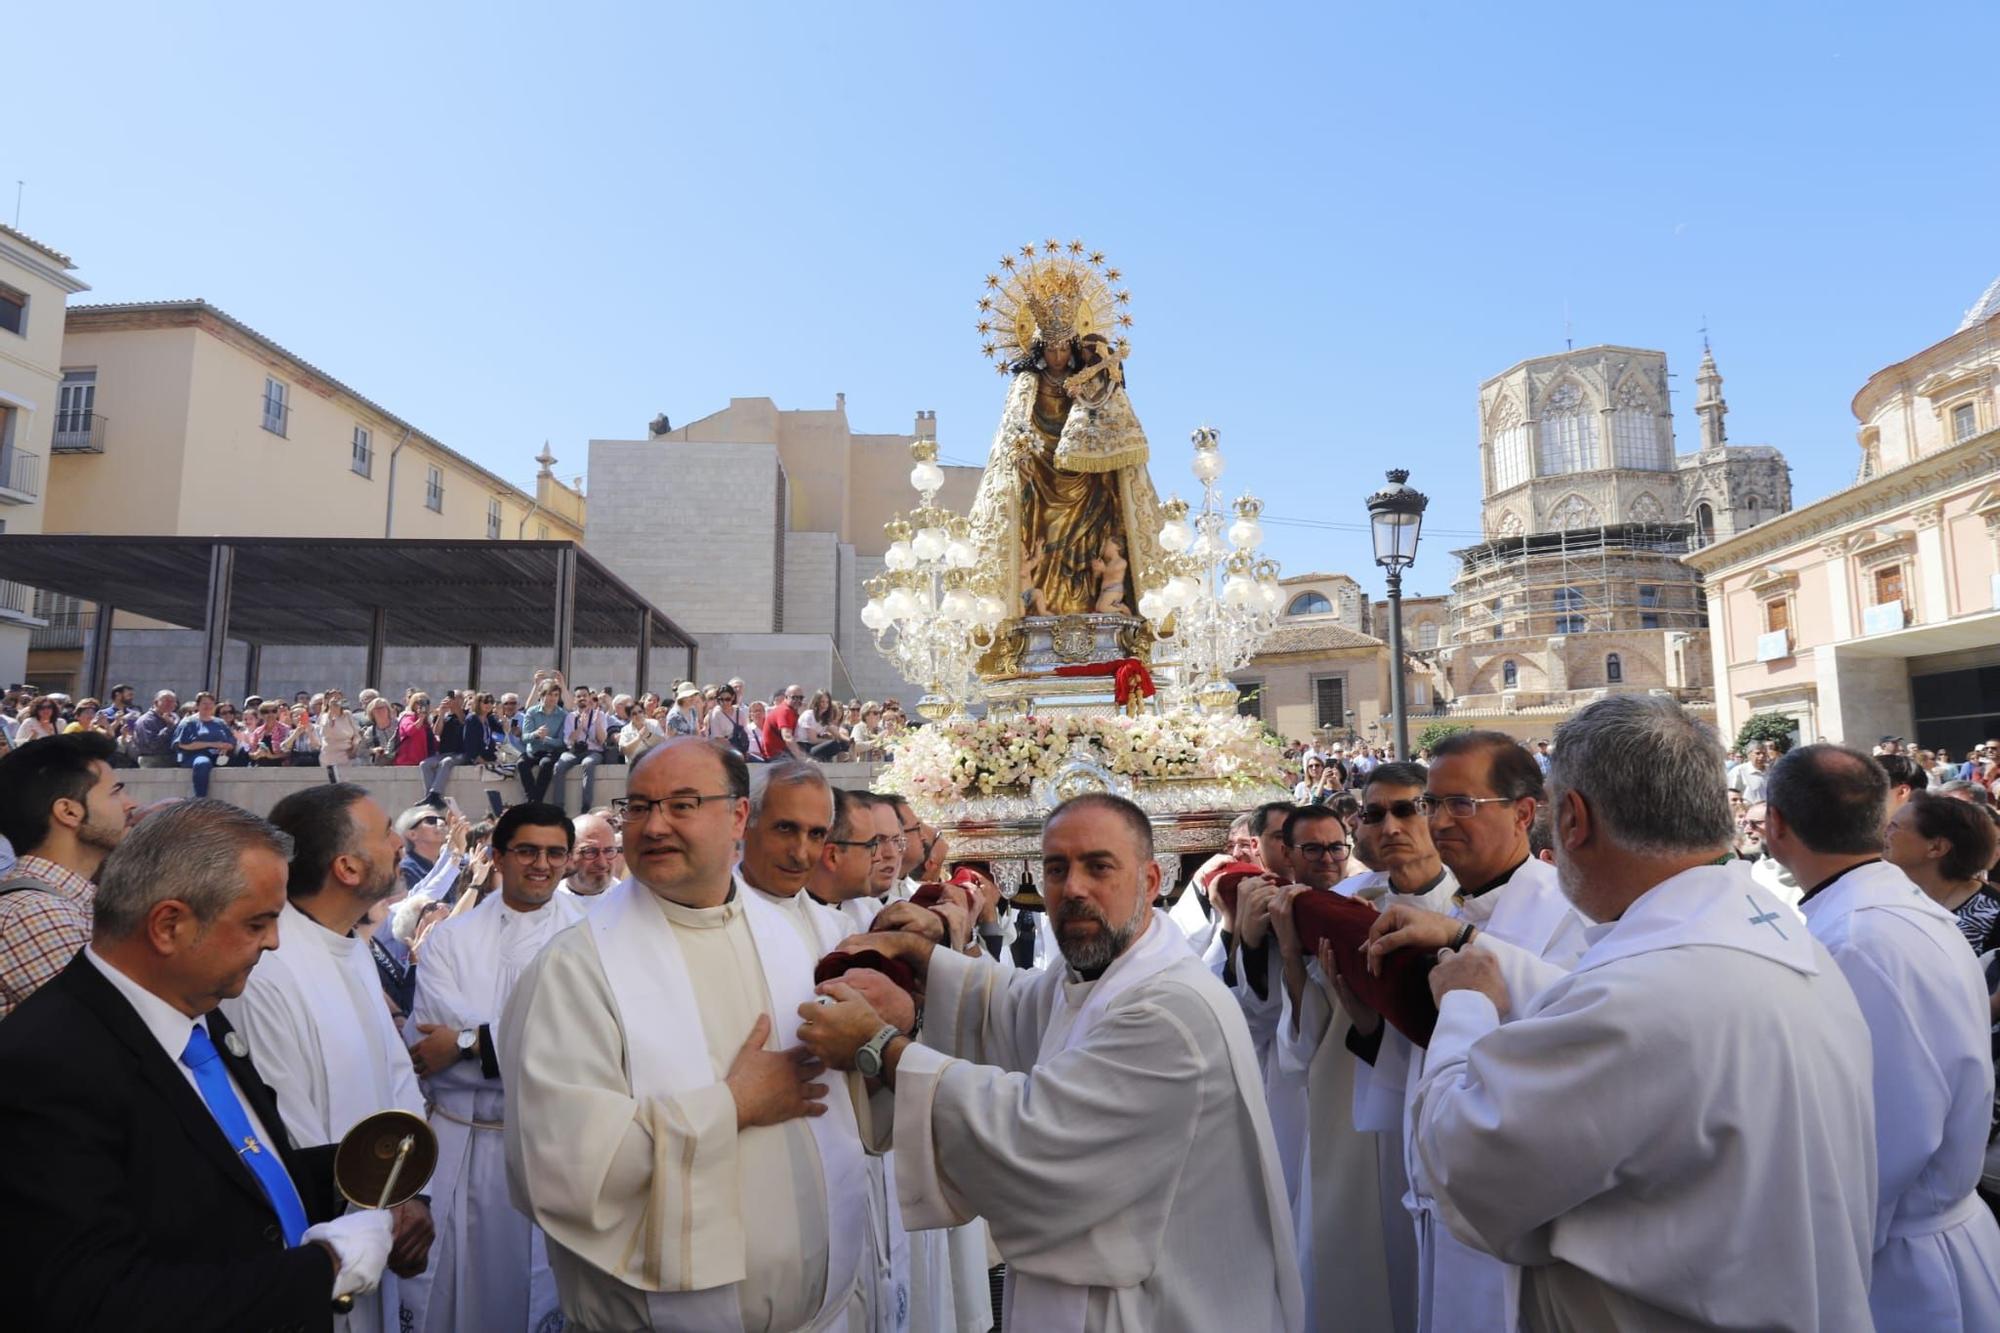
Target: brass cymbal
x,y
372,1167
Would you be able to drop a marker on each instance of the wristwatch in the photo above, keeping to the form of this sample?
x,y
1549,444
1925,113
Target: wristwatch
x,y
868,1060
468,1044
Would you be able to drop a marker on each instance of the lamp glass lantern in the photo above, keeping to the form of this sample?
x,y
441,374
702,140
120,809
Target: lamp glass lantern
x,y
1396,516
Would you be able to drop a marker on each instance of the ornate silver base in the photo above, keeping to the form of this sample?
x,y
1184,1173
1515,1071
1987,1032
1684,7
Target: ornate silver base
x,y
1189,815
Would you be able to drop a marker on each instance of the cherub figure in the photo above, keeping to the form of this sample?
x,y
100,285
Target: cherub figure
x,y
1032,601
1109,566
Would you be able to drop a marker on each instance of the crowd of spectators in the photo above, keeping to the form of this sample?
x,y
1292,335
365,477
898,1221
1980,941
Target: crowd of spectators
x,y
562,729
1356,816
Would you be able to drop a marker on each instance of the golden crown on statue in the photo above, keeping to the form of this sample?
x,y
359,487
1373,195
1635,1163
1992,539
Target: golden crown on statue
x,y
1052,293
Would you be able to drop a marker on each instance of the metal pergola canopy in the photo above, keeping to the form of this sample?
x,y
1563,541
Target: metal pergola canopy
x,y
341,591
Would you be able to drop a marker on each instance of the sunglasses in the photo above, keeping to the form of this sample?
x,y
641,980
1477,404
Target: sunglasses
x,y
1375,814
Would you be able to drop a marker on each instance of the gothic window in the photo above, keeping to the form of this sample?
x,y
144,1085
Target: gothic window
x,y
1751,505
1510,525
1704,523
1510,675
1568,433
1427,635
1635,431
1614,670
1646,509
1575,512
1508,435
1309,604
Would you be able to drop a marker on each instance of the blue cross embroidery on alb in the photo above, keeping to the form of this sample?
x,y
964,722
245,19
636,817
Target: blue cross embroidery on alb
x,y
1765,918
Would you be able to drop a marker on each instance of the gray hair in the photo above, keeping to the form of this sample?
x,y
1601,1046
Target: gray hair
x,y
1971,791
785,773
1647,768
190,852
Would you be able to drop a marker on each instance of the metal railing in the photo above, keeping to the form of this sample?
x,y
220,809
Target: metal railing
x,y
68,621
277,414
16,599
21,473
79,433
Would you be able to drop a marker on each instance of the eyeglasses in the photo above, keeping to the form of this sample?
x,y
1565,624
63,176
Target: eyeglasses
x,y
1461,807
1314,851
637,809
429,819
590,853
1375,814
533,855
872,844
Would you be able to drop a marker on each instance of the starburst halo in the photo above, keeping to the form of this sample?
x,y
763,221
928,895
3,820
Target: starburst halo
x,y
1054,292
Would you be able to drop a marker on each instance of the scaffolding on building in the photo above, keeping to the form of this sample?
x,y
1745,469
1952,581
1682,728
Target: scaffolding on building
x,y
1616,578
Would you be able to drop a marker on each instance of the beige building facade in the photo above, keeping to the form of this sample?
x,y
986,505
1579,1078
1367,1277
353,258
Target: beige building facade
x,y
755,528
178,419
35,282
1876,611
1318,681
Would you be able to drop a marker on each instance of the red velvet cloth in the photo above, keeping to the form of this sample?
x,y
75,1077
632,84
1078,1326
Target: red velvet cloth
x,y
835,964
1402,993
927,895
1223,883
1128,676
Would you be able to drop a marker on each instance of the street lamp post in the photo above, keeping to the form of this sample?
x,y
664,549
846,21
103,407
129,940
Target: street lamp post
x,y
1396,514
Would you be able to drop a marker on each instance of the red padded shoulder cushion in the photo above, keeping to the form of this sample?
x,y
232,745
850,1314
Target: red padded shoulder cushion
x,y
836,964
1402,994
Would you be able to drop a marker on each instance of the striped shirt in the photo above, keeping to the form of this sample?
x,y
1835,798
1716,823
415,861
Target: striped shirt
x,y
40,929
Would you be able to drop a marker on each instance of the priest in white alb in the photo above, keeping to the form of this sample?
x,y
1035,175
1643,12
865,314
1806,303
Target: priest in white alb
x,y
1480,798
489,1268
1106,1117
1937,1247
1678,1133
906,1281
318,1028
662,1127
1357,1247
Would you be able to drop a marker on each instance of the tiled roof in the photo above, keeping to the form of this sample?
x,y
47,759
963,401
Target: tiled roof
x,y
1314,636
1985,308
48,250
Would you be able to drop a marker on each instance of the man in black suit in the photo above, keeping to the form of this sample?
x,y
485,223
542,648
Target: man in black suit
x,y
149,1183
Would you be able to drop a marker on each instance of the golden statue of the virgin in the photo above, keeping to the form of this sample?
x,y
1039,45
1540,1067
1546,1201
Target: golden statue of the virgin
x,y
1066,503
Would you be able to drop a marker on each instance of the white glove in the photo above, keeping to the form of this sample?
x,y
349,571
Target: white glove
x,y
362,1241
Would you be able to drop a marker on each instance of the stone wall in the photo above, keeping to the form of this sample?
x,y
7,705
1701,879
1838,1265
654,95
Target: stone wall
x,y
812,588
693,529
152,660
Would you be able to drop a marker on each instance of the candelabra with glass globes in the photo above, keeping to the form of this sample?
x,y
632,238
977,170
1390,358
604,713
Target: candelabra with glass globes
x,y
1220,599
931,610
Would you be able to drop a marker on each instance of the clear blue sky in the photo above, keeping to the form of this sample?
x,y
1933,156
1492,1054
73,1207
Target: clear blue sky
x,y
509,223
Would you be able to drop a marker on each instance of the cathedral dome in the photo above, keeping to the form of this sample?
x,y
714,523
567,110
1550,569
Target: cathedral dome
x,y
1985,308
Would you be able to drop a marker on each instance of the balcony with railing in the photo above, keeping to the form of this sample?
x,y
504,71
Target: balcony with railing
x,y
78,433
20,477
17,604
65,621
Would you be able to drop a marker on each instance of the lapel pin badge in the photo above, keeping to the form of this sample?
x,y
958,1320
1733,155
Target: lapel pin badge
x,y
235,1044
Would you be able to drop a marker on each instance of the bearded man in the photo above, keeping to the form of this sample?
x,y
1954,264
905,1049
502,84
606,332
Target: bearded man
x,y
313,1014
1048,1102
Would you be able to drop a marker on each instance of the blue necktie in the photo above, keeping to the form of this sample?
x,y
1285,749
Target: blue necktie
x,y
212,1077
